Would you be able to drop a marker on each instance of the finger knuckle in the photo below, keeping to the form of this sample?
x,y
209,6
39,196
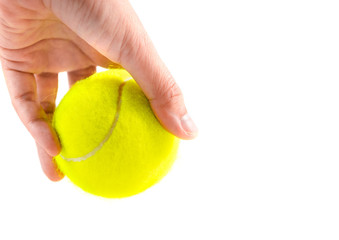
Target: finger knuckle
x,y
28,96
21,66
83,72
168,93
33,121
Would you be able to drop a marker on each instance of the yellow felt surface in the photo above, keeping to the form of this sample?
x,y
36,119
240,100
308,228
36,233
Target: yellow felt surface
x,y
138,153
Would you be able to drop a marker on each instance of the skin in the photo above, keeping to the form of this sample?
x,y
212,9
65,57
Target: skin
x,y
40,38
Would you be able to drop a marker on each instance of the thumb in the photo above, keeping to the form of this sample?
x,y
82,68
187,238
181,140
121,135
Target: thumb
x,y
140,58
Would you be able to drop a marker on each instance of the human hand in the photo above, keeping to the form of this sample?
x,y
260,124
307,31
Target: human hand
x,y
39,39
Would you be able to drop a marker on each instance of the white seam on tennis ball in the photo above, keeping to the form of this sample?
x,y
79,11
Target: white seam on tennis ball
x,y
115,121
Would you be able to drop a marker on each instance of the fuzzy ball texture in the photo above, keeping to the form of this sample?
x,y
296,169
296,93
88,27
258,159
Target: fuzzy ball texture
x,y
112,144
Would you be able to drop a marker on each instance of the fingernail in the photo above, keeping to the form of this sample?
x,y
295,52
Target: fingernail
x,y
189,126
60,174
57,169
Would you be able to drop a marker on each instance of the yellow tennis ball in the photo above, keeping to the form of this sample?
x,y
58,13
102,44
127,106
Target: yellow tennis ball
x,y
112,144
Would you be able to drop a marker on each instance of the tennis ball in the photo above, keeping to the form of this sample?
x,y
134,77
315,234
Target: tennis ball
x,y
112,144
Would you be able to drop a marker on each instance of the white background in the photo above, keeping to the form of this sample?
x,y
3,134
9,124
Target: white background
x,y
260,79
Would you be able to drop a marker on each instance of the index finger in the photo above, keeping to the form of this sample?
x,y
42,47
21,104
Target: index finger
x,y
23,92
